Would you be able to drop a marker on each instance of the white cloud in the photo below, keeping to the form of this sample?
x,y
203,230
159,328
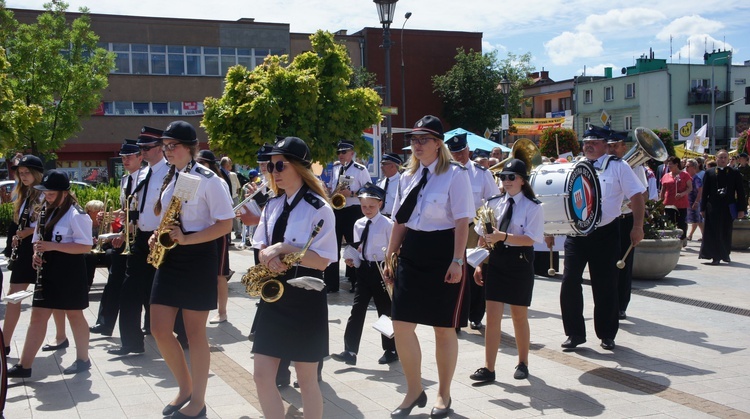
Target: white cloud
x,y
687,26
621,20
598,70
568,46
698,44
487,46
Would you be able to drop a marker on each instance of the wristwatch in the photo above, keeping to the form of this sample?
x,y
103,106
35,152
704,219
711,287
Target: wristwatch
x,y
459,261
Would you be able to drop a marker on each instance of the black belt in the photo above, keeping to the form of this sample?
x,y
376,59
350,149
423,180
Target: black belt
x,y
629,214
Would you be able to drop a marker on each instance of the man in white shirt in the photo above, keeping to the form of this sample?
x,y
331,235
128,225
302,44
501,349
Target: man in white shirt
x,y
390,164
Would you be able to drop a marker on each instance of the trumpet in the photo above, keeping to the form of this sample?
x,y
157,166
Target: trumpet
x,y
129,238
381,268
486,216
105,226
38,296
261,188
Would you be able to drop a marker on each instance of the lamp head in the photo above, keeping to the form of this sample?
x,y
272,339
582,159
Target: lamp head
x,y
386,10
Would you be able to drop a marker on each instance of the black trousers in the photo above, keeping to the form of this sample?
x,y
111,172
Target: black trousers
x,y
625,280
109,307
600,250
136,293
369,286
345,219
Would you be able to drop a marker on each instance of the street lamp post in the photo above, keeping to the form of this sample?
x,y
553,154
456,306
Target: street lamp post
x,y
386,9
712,123
504,88
403,73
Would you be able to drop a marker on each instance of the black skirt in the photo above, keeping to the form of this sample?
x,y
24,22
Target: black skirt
x,y
187,278
23,272
509,276
64,284
296,326
421,294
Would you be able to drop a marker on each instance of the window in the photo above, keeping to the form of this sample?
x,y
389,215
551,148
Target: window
x,y
142,108
122,58
193,61
160,108
124,108
609,93
211,61
630,91
588,96
548,106
586,122
175,108
628,123
108,108
700,120
260,55
696,83
563,104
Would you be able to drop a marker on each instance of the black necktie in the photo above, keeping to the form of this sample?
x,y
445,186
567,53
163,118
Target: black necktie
x,y
143,185
385,187
404,213
129,186
280,227
364,240
505,221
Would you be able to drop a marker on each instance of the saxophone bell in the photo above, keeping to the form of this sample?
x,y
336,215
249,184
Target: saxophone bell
x,y
165,240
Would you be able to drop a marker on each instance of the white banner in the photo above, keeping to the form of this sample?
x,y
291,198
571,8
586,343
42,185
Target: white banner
x,y
505,124
733,143
686,132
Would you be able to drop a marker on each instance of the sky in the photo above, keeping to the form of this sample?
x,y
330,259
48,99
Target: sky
x,y
566,38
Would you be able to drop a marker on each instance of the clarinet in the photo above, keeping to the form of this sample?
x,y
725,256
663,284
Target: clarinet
x,y
40,228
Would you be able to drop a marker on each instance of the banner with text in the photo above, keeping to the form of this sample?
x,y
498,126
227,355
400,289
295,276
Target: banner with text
x,y
535,126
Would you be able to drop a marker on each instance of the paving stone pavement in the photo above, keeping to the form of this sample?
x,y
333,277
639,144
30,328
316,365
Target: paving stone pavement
x,y
682,353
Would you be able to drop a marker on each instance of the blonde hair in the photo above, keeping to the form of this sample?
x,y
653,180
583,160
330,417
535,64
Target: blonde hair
x,y
193,152
94,205
443,157
308,177
22,192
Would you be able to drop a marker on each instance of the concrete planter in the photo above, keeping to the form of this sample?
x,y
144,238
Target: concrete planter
x,y
741,234
656,258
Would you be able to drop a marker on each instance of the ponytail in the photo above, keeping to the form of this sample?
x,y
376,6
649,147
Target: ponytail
x,y
170,175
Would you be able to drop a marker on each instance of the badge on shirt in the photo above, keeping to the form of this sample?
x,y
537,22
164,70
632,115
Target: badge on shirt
x,y
58,238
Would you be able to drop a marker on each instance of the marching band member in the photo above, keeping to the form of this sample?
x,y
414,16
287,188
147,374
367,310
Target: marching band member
x,y
296,326
508,277
62,284
432,212
600,249
373,231
186,279
483,187
29,172
345,217
208,159
390,164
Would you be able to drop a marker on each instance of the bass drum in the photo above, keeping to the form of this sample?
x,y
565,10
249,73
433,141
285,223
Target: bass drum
x,y
571,197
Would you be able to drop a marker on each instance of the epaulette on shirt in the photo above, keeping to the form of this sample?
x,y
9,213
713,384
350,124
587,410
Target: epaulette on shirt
x,y
359,166
536,201
495,196
207,173
79,209
337,163
313,200
455,163
478,166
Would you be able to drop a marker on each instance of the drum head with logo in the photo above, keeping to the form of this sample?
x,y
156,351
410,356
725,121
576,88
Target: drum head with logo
x,y
583,198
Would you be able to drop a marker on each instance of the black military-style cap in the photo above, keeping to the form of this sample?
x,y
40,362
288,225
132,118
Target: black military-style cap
x,y
292,147
371,191
181,131
428,125
54,180
457,143
149,135
32,162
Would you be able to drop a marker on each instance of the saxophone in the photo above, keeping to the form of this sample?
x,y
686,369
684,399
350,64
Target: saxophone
x,y
486,216
261,281
163,241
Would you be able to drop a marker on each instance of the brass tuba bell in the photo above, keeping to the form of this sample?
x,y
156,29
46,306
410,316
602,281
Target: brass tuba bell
x,y
647,146
524,150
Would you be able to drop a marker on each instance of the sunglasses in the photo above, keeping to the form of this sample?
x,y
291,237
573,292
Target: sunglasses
x,y
420,140
278,166
342,152
510,177
169,147
147,148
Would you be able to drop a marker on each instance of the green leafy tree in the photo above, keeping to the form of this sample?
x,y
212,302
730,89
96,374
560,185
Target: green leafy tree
x,y
14,114
310,98
56,66
469,90
567,140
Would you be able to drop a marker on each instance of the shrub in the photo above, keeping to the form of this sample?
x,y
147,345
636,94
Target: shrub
x,y
655,221
566,138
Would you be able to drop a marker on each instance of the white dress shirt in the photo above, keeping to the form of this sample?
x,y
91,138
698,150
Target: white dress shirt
x,y
390,194
617,181
147,220
73,227
527,219
378,236
483,186
359,177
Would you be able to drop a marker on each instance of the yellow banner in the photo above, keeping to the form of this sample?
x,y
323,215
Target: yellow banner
x,y
535,126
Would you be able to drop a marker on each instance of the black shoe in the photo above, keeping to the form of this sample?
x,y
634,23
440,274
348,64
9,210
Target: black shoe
x,y
441,412
124,350
146,331
715,262
522,371
78,366
282,382
476,326
63,345
17,371
573,341
179,415
727,260
171,408
346,357
7,350
388,357
622,315
101,330
608,344
352,289
403,412
483,375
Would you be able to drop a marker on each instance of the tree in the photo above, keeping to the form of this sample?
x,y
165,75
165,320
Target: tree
x,y
469,90
14,115
310,99
567,141
56,66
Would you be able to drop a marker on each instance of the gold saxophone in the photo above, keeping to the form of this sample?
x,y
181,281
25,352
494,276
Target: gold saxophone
x,y
486,216
261,281
163,241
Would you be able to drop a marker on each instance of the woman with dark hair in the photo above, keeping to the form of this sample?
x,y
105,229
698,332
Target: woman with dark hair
x,y
186,278
208,159
509,274
676,186
62,282
28,199
431,212
295,327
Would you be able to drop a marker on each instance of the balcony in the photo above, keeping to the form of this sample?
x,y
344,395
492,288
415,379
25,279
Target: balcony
x,y
703,97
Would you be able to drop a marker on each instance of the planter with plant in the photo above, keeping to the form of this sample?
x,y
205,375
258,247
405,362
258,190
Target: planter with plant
x,y
658,253
741,234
